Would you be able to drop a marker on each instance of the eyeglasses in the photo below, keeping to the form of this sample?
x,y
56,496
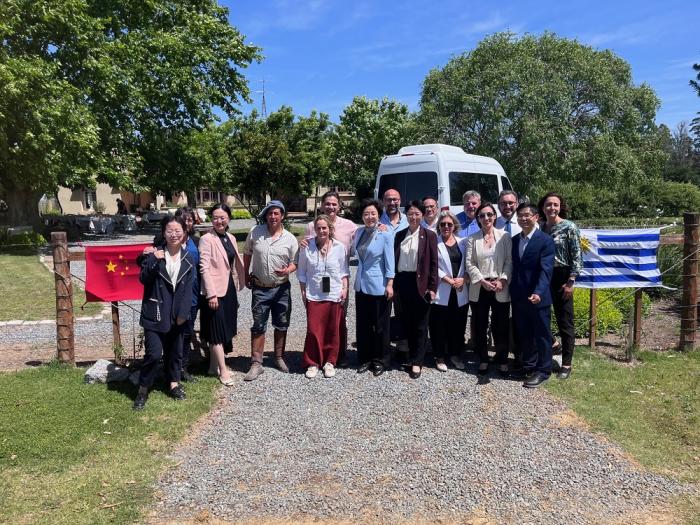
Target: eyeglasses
x,y
219,219
487,215
430,207
525,216
446,225
414,214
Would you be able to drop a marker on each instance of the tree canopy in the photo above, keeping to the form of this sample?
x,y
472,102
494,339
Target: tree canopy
x,y
368,130
556,113
91,88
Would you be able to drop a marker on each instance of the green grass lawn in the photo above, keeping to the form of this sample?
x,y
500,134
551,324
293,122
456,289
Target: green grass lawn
x,y
28,291
75,453
652,409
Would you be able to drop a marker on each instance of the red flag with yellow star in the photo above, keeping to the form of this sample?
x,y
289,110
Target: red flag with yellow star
x,y
111,273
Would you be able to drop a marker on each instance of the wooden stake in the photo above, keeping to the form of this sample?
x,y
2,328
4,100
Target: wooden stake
x,y
689,314
637,337
65,320
592,315
116,334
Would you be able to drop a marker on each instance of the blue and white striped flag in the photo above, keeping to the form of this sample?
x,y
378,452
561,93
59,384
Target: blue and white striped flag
x,y
619,258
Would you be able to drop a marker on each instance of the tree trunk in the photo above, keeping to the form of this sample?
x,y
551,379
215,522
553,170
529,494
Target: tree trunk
x,y
22,208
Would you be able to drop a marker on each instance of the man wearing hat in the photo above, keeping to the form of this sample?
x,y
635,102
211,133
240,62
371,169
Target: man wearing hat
x,y
269,257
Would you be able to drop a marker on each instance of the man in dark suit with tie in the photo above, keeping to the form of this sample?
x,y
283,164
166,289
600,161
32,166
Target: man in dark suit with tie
x,y
533,261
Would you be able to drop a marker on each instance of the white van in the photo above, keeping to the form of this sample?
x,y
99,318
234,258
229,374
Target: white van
x,y
445,172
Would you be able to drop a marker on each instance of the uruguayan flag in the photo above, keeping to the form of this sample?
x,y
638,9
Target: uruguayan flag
x,y
619,258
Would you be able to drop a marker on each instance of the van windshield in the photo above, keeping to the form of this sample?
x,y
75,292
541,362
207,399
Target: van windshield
x,y
412,186
461,182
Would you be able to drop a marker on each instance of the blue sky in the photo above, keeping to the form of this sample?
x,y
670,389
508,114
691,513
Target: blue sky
x,y
319,54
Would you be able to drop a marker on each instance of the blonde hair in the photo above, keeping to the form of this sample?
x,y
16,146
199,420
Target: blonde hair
x,y
324,217
452,217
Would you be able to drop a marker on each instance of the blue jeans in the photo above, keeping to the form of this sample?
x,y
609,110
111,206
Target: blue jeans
x,y
277,300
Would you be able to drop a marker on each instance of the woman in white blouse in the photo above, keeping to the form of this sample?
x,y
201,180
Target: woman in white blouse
x,y
489,265
323,278
448,314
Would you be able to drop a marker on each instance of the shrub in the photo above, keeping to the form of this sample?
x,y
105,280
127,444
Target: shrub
x,y
669,259
609,316
30,240
241,214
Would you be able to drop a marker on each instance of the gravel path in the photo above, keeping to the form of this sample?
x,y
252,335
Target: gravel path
x,y
359,449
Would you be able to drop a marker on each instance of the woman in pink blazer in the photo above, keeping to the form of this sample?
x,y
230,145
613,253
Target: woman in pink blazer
x,y
222,273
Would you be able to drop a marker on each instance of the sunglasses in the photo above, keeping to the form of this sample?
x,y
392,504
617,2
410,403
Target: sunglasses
x,y
486,215
446,225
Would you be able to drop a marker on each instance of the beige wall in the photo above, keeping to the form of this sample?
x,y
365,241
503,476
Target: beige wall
x,y
73,201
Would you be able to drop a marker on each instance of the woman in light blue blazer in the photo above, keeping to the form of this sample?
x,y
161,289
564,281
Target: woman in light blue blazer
x,y
448,314
374,289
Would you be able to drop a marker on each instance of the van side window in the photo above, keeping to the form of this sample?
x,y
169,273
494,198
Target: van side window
x,y
461,182
505,183
411,186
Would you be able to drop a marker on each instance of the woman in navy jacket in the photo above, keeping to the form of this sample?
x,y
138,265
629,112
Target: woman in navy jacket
x,y
373,289
167,275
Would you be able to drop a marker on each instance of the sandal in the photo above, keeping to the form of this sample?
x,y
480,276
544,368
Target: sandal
x,y
227,382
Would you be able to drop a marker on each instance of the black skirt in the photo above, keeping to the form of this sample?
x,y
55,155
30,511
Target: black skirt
x,y
221,325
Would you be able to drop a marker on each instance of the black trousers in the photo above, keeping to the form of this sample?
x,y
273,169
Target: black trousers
x,y
166,346
500,326
535,336
447,326
413,313
564,314
372,328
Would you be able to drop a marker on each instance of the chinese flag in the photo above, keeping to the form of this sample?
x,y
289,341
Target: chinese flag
x,y
111,273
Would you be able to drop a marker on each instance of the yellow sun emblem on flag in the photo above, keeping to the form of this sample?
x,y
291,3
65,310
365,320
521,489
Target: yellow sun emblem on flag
x,y
585,244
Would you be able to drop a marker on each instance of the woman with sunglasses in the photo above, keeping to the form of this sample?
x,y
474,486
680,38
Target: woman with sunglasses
x,y
489,265
448,314
416,282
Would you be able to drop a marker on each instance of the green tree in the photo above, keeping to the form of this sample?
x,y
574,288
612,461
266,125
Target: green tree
x,y
683,163
695,124
551,110
368,130
281,156
101,89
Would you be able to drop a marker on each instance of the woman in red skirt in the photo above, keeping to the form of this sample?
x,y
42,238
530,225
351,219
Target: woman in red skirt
x,y
323,277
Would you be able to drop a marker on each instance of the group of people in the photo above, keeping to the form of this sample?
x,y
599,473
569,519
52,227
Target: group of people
x,y
429,266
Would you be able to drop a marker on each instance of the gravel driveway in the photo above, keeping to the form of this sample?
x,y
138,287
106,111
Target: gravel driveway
x,y
360,449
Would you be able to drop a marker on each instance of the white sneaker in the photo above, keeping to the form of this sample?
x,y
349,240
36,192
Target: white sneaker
x,y
328,370
457,362
441,366
311,372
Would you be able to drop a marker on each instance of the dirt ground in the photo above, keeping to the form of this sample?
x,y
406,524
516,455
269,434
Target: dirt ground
x,y
660,332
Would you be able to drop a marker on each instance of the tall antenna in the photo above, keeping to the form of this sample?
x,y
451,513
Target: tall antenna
x,y
263,105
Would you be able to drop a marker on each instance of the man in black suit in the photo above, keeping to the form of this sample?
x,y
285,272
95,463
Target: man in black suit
x,y
533,261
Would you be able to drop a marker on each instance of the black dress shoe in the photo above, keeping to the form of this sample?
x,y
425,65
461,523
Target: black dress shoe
x,y
342,363
140,401
415,375
564,372
177,393
483,372
364,367
378,369
187,377
535,381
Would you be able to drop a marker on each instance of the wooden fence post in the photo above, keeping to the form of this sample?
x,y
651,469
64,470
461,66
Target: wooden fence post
x,y
116,335
65,319
689,314
637,337
593,316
